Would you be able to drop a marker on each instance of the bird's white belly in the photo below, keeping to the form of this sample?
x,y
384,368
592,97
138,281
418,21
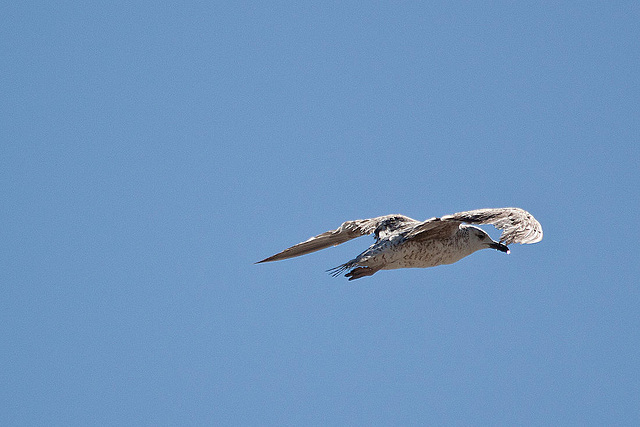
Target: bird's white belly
x,y
423,254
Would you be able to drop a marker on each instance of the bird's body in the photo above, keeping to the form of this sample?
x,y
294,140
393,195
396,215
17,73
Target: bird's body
x,y
402,242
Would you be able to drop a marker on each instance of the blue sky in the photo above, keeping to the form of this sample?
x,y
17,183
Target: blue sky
x,y
152,152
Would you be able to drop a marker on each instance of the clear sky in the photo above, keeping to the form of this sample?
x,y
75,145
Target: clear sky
x,y
151,153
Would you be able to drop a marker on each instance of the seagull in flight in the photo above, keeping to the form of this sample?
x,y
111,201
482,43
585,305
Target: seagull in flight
x,y
402,242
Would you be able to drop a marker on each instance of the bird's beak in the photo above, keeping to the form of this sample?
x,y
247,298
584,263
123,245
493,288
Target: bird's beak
x,y
499,246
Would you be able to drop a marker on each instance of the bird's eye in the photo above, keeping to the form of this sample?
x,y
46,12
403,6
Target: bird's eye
x,y
481,236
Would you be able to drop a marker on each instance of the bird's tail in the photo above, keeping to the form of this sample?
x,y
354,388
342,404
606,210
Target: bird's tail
x,y
336,271
353,270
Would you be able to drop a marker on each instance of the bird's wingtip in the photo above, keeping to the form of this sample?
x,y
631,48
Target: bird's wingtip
x,y
275,257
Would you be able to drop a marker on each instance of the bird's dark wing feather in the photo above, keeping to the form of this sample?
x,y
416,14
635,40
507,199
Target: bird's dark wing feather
x,y
381,226
517,225
433,228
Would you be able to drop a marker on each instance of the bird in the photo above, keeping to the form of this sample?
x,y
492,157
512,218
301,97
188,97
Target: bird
x,y
403,242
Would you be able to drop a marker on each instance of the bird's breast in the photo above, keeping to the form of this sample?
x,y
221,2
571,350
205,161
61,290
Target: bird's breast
x,y
427,253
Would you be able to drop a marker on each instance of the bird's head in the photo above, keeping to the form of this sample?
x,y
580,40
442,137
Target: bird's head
x,y
479,238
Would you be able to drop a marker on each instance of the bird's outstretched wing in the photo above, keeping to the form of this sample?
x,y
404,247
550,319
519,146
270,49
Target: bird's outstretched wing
x,y
380,226
517,225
